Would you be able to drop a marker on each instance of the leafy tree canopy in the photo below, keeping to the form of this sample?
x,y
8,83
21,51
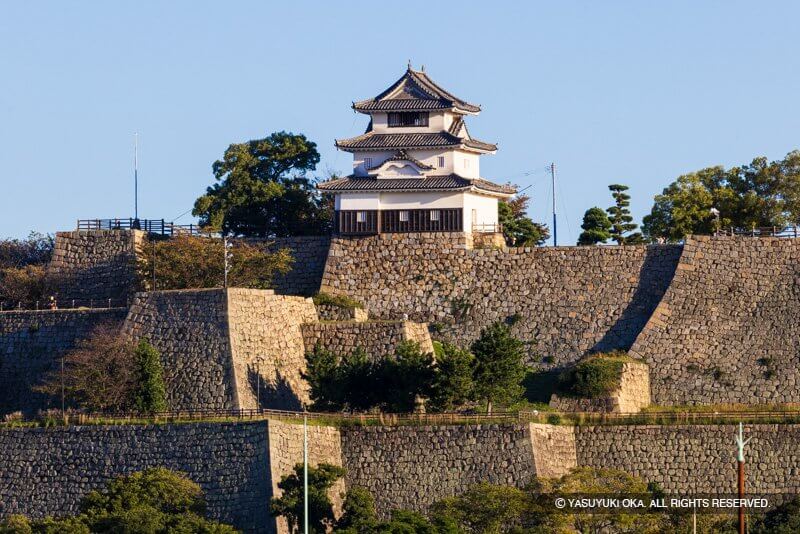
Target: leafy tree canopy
x,y
596,227
518,229
760,194
320,508
190,262
263,191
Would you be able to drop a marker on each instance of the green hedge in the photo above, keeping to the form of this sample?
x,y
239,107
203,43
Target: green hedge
x,y
340,301
595,376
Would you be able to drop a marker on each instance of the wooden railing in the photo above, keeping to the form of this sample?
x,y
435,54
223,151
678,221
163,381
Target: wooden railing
x,y
489,228
62,304
151,226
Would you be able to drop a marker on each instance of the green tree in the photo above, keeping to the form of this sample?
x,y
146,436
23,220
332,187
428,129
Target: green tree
x,y
499,368
783,519
406,377
191,262
518,229
759,194
324,378
596,227
358,512
36,249
150,394
484,508
453,383
262,190
320,509
619,215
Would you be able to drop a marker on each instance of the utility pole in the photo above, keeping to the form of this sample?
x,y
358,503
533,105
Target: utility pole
x,y
740,443
555,222
305,472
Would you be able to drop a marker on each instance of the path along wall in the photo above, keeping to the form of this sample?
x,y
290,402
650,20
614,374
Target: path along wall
x,y
31,345
728,327
569,300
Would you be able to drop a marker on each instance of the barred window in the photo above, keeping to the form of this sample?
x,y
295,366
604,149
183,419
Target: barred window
x,y
397,120
403,216
434,215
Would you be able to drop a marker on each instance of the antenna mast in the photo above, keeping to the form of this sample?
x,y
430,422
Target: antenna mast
x,y
555,222
136,176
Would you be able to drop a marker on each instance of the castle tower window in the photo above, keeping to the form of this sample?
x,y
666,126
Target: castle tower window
x,y
434,215
397,120
367,163
361,216
403,216
441,162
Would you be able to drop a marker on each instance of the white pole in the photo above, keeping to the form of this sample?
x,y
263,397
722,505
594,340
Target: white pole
x,y
555,222
305,473
136,176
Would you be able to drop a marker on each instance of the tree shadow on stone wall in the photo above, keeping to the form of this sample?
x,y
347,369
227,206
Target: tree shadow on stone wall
x,y
278,395
655,276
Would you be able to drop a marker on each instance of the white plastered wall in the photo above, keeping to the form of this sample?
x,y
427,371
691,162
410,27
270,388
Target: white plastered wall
x,y
485,210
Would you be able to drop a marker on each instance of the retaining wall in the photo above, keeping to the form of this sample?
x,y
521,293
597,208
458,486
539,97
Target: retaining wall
x,y
96,265
379,339
727,329
31,345
309,255
47,471
569,300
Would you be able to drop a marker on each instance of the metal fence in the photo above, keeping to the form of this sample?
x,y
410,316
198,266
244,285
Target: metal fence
x,y
763,231
151,226
63,304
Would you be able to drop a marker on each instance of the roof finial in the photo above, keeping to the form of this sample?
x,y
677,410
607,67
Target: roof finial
x,y
423,68
409,64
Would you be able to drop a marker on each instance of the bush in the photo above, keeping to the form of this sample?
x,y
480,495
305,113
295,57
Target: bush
x,y
340,301
36,249
594,377
27,284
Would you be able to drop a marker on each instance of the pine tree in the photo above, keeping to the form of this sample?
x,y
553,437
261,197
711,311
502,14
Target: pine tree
x,y
596,227
499,369
150,392
453,383
620,215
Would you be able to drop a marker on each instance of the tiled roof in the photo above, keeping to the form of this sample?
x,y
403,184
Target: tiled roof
x,y
414,91
402,155
430,183
373,141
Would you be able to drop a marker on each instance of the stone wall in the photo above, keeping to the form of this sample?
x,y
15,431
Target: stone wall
x,y
190,330
329,312
309,255
267,348
379,339
96,265
286,451
727,329
412,467
698,459
554,452
48,471
31,345
569,300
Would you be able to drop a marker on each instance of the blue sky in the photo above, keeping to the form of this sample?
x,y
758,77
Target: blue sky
x,y
613,92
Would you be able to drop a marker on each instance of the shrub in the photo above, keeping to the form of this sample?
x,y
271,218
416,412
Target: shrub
x,y
453,383
26,284
36,249
150,394
594,377
339,301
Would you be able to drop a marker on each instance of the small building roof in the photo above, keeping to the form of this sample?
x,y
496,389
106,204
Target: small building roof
x,y
372,141
402,155
449,182
415,91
